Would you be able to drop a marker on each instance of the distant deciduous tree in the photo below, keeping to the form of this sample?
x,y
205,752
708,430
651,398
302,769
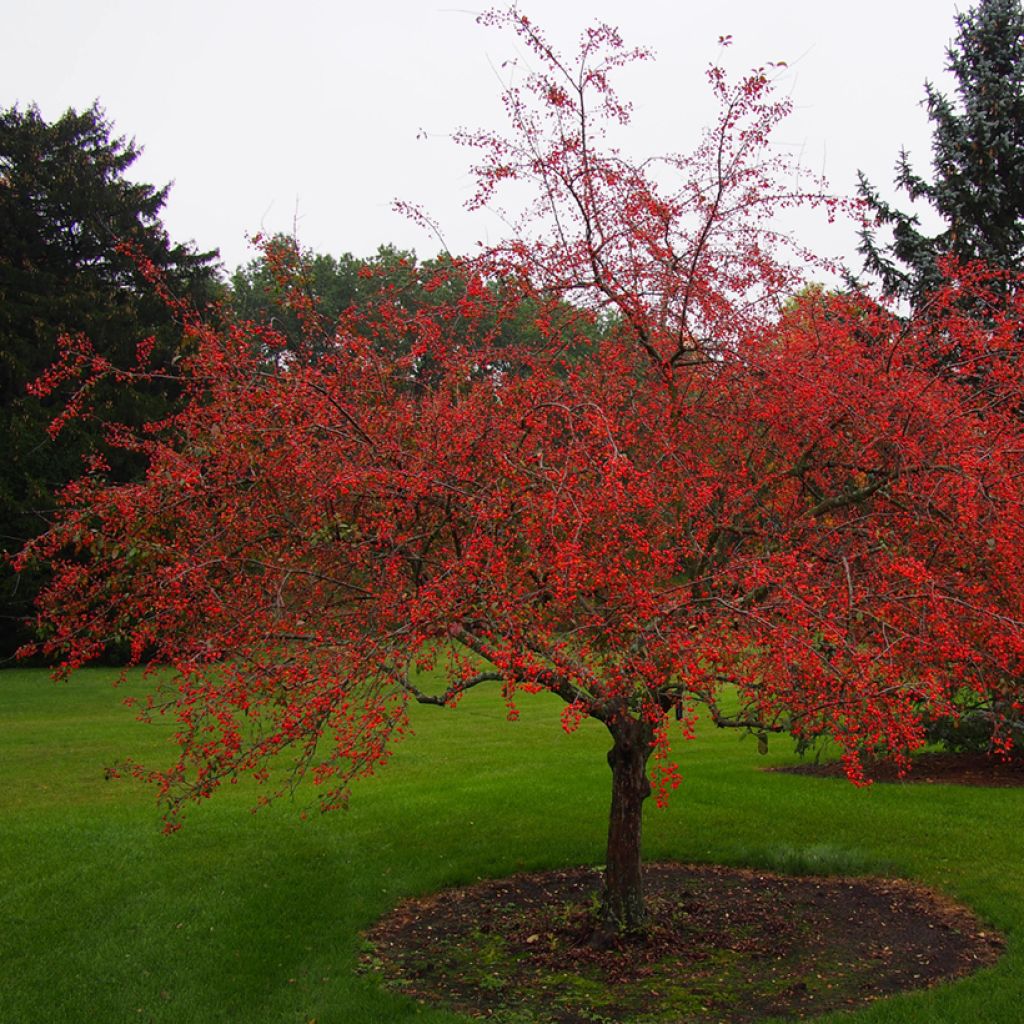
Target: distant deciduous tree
x,y
268,288
303,296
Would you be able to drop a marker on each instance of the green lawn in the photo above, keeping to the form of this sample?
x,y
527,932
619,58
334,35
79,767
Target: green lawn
x,y
256,917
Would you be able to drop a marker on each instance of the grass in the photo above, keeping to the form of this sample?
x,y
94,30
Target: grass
x,y
256,918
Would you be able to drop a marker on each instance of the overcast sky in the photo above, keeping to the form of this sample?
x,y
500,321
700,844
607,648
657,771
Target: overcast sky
x,y
311,115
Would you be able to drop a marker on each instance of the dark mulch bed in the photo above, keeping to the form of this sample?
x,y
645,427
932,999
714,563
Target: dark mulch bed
x,y
959,769
725,945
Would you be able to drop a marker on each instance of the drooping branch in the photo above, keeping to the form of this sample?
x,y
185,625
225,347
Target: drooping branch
x,y
455,688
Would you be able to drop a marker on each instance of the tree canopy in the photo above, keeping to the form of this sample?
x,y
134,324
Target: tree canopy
x,y
796,507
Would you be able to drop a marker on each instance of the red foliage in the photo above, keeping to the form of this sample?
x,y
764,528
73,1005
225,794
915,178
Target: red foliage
x,y
815,502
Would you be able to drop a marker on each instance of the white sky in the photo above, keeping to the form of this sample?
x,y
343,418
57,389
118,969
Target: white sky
x,y
269,116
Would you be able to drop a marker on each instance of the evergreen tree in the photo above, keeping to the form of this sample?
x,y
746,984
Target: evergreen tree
x,y
977,161
65,204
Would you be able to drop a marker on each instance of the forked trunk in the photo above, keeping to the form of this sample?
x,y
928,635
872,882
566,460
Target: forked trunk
x,y
622,902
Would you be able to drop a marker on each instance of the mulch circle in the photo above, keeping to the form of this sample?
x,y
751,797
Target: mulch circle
x,y
956,769
725,945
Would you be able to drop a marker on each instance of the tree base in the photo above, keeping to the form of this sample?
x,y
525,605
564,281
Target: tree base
x,y
721,944
620,923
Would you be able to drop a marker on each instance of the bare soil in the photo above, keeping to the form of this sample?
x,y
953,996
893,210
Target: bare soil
x,y
724,945
958,769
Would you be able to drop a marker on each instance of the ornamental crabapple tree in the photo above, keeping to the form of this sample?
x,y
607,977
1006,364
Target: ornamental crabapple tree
x,y
673,482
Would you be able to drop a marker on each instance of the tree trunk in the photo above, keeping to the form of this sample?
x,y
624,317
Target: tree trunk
x,y
622,902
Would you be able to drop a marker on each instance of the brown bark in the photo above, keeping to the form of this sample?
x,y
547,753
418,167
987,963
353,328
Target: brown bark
x,y
622,902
